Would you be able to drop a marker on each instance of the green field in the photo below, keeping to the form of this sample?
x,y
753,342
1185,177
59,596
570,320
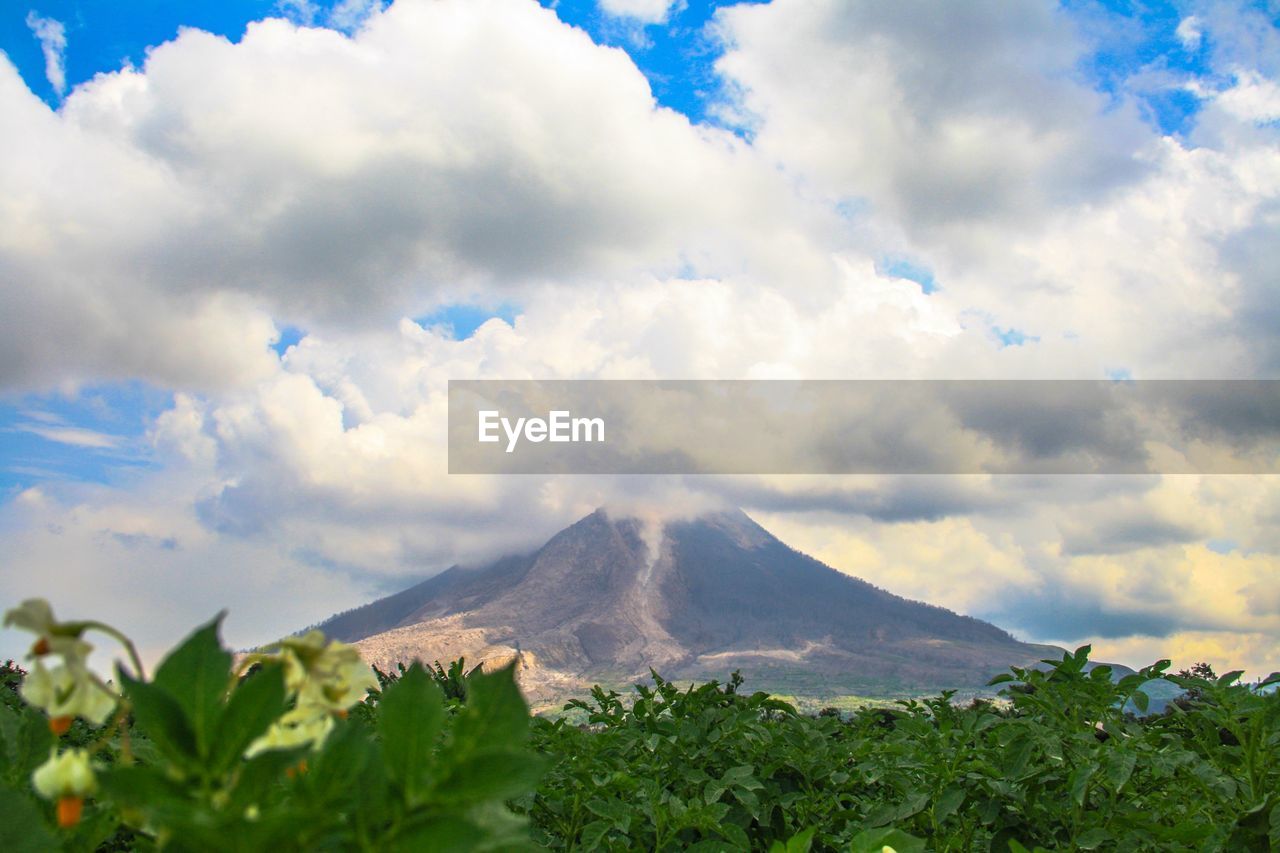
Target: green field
x,y
204,757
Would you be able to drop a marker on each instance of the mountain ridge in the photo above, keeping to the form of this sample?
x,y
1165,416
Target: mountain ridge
x,y
607,598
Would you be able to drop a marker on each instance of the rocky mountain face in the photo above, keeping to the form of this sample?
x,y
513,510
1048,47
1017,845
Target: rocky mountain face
x,y
608,598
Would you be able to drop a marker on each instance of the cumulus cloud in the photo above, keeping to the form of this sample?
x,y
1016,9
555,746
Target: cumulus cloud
x,y
941,117
1252,98
312,175
1221,649
167,221
1010,566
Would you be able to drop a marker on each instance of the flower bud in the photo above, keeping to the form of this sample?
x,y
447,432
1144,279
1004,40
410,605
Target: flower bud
x,y
69,809
68,774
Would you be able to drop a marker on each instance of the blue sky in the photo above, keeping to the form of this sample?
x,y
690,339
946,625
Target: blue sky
x,y
103,36
677,56
95,434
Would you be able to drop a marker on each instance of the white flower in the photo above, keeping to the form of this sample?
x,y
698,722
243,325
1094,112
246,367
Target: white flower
x,y
52,637
304,725
67,691
331,676
34,615
65,775
325,678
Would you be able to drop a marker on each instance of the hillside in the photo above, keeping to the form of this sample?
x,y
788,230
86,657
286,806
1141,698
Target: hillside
x,y
607,598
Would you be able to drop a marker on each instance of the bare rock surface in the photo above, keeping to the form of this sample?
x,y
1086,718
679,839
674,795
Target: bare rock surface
x,y
608,598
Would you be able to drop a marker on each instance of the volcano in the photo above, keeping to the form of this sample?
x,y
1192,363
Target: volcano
x,y
607,598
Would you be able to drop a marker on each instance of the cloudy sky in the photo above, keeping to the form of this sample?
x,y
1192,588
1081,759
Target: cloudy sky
x,y
244,246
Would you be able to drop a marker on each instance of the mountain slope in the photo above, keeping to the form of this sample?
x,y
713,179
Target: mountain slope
x,y
606,598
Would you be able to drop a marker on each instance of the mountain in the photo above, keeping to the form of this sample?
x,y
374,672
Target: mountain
x,y
607,598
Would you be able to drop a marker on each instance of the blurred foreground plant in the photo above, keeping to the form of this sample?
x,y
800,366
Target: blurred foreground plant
x,y
211,754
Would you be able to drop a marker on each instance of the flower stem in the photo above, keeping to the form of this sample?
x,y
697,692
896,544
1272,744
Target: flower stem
x,y
129,647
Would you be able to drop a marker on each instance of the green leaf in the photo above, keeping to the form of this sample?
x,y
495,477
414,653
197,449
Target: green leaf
x,y
27,740
1000,679
735,835
887,813
800,842
593,833
948,803
1016,755
441,834
22,826
1080,783
875,840
495,713
493,774
145,789
1140,700
162,719
10,721
346,753
1092,839
259,775
1119,768
196,675
409,716
254,705
1230,677
619,814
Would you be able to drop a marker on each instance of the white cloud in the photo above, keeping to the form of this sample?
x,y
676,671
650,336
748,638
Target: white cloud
x,y
167,220
350,15
442,148
1190,32
52,36
643,11
1223,650
942,116
142,563
1253,98
74,436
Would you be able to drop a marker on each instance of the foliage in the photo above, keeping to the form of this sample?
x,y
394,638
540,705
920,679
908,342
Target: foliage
x,y
179,771
1060,766
274,752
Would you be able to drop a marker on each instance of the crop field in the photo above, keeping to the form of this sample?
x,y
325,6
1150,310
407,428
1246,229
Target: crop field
x,y
304,749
